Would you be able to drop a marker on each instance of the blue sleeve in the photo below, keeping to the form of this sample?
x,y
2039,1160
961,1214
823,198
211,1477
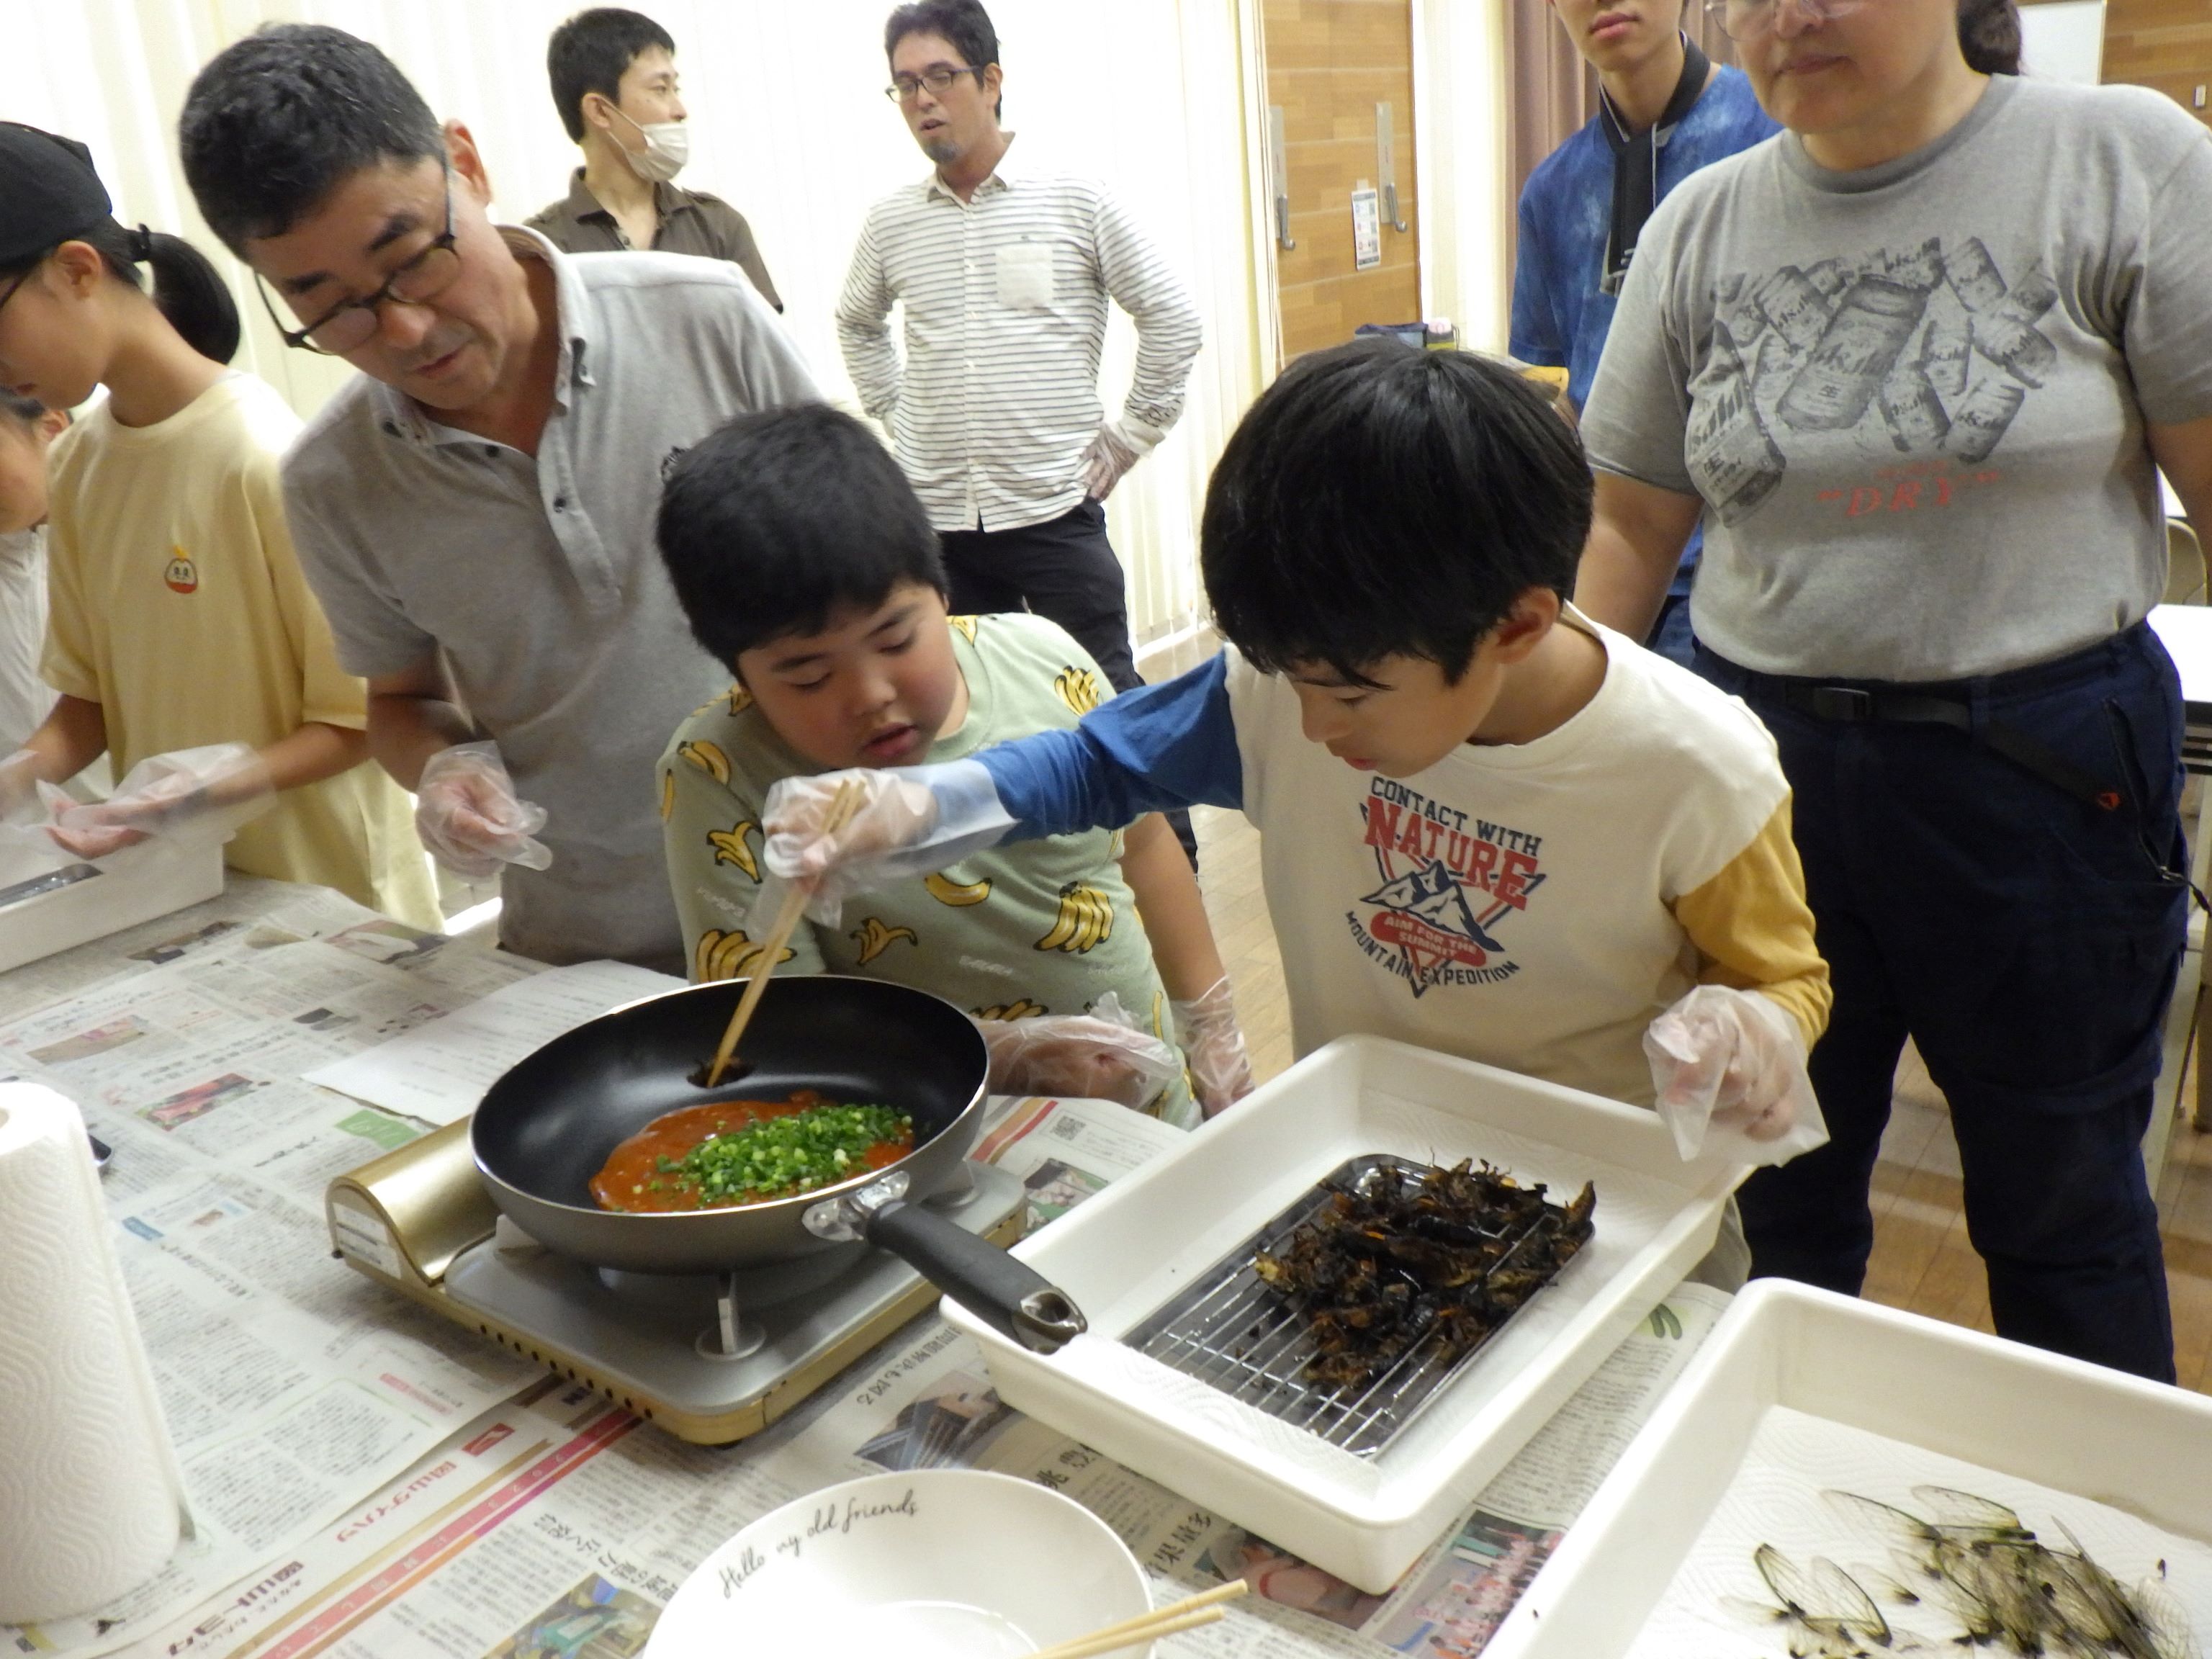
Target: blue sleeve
x,y
1157,747
1535,337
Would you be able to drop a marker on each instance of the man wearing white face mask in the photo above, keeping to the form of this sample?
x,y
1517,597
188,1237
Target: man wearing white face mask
x,y
615,84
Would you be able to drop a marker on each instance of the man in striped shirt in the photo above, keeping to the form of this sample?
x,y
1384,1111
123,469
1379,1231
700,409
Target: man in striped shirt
x,y
1004,275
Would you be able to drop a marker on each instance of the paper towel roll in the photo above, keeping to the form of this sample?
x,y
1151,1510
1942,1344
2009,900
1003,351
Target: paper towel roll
x,y
90,1495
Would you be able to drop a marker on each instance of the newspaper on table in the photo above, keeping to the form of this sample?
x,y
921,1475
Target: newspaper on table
x,y
440,1070
559,1523
291,1384
247,904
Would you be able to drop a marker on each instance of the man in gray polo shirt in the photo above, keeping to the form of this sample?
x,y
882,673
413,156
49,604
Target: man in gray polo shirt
x,y
475,511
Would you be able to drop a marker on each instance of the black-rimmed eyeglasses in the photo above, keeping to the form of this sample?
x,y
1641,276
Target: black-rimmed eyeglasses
x,y
937,77
351,324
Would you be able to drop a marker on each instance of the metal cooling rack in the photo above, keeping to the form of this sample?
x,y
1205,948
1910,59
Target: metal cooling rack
x,y
1231,1331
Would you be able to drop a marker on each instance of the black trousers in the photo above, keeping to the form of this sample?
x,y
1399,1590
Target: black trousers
x,y
1066,571
2027,940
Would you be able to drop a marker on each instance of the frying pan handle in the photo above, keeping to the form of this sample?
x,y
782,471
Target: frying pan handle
x,y
1012,1297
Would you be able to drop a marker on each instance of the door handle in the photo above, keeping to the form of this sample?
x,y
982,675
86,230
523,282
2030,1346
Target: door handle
x,y
1386,164
1279,166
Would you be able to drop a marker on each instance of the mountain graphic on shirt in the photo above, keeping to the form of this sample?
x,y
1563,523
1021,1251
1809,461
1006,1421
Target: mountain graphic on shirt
x,y
1433,895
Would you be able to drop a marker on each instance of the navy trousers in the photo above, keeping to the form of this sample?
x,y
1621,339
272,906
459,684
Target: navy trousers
x,y
2026,939
1066,571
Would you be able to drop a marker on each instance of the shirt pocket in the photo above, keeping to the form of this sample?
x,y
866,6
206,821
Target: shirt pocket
x,y
1025,276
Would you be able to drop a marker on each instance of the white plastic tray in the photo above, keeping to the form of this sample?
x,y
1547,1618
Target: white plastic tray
x,y
134,885
2139,1446
1128,1250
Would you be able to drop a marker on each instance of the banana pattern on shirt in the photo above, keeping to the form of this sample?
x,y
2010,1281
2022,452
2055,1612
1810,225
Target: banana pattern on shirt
x,y
708,757
1085,922
1079,688
875,936
731,846
731,955
959,895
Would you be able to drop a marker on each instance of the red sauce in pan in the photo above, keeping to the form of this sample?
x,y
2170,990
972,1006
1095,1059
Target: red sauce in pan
x,y
632,1178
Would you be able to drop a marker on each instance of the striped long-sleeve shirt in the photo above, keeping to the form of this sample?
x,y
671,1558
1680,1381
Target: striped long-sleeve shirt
x,y
1004,309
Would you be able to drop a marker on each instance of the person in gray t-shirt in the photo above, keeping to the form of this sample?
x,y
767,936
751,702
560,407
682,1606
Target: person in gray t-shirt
x,y
475,511
1913,361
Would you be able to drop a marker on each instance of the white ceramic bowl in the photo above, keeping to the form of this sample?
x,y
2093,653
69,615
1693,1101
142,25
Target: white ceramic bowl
x,y
935,1564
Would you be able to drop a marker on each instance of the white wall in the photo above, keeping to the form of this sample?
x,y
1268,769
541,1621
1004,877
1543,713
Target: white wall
x,y
1460,131
788,124
2063,40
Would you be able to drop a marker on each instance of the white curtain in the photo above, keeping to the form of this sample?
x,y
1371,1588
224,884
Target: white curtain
x,y
789,125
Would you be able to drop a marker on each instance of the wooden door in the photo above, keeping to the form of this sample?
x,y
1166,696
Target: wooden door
x,y
1329,63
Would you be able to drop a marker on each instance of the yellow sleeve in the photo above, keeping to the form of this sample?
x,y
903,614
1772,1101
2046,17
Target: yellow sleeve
x,y
712,835
1753,931
328,695
67,661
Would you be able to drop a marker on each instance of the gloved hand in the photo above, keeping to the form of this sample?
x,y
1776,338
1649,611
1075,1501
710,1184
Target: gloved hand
x,y
1109,456
1214,1048
1102,1055
910,822
467,814
19,787
221,786
1729,1069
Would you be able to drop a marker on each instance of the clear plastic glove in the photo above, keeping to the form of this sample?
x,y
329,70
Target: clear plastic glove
x,y
1105,461
187,792
911,822
1729,1069
19,787
467,814
1101,1055
1214,1048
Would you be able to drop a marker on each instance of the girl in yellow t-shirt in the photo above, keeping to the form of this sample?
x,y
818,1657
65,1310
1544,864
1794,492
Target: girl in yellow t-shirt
x,y
179,617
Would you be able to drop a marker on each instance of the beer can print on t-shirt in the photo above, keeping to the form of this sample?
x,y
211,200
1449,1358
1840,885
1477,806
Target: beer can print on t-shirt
x,y
1929,352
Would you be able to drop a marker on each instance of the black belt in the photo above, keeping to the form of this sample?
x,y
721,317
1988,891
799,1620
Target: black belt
x,y
1861,706
1852,705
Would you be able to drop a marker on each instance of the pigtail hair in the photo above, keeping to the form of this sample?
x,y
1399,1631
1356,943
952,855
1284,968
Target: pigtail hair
x,y
192,295
188,289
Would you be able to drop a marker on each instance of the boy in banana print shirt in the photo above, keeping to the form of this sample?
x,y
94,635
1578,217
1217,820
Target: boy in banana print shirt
x,y
804,561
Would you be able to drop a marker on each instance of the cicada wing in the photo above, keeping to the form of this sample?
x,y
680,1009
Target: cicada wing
x,y
1793,1587
2083,1599
1844,1603
1759,1614
1884,1584
2165,1621
1953,1508
1913,1547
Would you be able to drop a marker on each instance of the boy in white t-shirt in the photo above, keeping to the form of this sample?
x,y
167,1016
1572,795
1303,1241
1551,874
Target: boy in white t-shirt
x,y
1489,826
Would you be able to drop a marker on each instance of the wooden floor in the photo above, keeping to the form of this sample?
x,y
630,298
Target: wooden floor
x,y
1921,1260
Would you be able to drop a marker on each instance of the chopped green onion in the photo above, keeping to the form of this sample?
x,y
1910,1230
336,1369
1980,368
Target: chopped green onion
x,y
777,1157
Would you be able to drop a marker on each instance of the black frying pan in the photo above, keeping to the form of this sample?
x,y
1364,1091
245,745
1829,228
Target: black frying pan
x,y
544,1128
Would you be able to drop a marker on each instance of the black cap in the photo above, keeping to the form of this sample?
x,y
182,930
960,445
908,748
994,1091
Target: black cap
x,y
49,192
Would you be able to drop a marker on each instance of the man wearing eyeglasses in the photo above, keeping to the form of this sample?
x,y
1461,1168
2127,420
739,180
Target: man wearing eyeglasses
x,y
1002,275
1664,111
475,509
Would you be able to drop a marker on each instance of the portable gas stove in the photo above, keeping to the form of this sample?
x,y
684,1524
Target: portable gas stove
x,y
709,1358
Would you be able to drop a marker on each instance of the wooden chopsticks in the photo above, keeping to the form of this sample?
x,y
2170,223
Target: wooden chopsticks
x,y
843,805
1186,1614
